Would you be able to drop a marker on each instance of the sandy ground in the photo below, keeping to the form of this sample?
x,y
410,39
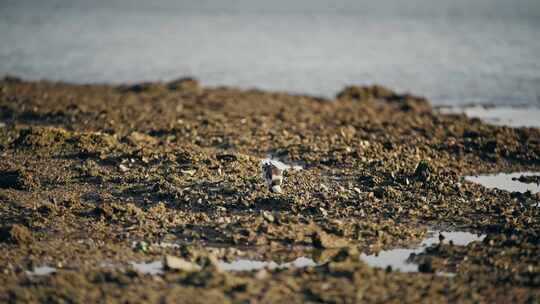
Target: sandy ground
x,y
94,177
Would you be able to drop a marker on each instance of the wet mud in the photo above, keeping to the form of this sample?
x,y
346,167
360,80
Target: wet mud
x,y
99,181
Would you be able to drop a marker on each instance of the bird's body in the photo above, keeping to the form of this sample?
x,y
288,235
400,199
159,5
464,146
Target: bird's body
x,y
273,177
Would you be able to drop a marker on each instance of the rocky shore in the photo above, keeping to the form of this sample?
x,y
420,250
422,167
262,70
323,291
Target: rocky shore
x,y
94,178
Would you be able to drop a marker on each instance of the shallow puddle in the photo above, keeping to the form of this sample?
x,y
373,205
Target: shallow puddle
x,y
506,181
42,270
247,265
148,268
395,258
398,258
502,116
238,265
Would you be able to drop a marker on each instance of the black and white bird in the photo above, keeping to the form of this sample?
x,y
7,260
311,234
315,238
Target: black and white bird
x,y
273,176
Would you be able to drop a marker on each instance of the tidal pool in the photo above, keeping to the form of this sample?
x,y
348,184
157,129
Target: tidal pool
x,y
156,267
395,258
501,116
41,270
246,265
398,258
506,181
152,268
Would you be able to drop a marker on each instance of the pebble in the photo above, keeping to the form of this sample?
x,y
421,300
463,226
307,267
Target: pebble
x,y
268,216
189,172
322,239
276,189
261,274
172,262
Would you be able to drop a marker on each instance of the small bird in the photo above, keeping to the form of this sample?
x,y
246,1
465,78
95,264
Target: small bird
x,y
273,177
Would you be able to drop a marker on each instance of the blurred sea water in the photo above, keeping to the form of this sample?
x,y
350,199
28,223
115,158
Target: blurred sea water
x,y
453,52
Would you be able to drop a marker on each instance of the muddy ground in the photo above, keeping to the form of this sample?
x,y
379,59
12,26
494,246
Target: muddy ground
x,y
93,177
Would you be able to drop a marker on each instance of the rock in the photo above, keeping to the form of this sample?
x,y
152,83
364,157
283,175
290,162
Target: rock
x,y
142,87
12,79
348,132
209,262
18,179
58,138
322,239
348,253
261,274
189,172
531,179
16,234
415,104
42,137
406,102
276,189
174,263
323,188
142,246
324,255
118,211
364,144
268,216
141,139
426,266
423,171
379,192
364,93
186,84
47,209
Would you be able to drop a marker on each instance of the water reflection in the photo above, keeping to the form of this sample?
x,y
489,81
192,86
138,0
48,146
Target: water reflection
x,y
247,265
156,267
506,181
395,258
398,258
501,116
42,270
152,268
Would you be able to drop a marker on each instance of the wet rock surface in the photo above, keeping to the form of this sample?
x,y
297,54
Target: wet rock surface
x,y
96,174
531,179
16,234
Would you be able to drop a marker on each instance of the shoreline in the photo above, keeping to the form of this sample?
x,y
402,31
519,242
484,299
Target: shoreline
x,y
442,103
101,174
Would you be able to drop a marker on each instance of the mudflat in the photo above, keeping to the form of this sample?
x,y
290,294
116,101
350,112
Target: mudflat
x,y
97,179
